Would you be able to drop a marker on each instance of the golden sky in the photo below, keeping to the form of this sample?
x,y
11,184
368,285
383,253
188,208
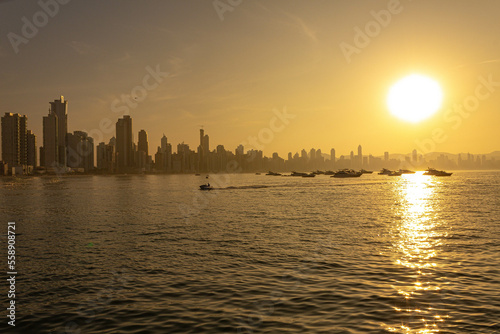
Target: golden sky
x,y
232,64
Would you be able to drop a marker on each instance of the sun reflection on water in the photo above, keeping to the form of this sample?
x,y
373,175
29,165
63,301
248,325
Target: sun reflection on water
x,y
415,245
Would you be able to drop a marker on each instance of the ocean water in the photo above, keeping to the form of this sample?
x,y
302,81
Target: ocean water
x,y
259,254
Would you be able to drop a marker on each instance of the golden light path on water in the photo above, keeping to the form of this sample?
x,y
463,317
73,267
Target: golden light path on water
x,y
415,242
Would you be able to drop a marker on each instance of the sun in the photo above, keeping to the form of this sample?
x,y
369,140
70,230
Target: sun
x,y
415,98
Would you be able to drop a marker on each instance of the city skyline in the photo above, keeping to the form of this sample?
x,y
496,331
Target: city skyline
x,y
60,107
186,64
63,152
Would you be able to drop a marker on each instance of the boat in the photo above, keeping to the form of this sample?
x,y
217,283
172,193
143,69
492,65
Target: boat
x,y
385,171
257,173
329,172
346,173
435,172
273,174
395,173
309,175
406,171
298,174
206,187
364,171
196,174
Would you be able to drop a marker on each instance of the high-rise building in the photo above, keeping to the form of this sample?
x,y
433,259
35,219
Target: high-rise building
x,y
50,141
303,154
106,156
14,140
142,145
240,150
332,155
414,156
60,109
124,145
204,150
386,156
80,151
360,155
312,154
31,150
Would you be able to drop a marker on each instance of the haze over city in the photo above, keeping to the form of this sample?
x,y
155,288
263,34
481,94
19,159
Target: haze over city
x,y
231,68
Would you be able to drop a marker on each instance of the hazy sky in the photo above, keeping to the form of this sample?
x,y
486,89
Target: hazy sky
x,y
229,75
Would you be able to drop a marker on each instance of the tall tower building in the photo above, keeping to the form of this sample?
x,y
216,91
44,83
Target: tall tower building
x,y
360,156
203,150
164,143
142,145
80,151
60,109
31,150
50,141
332,155
14,139
124,147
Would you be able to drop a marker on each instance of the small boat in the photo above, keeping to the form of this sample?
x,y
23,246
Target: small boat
x,y
196,174
298,174
273,174
257,173
394,173
435,172
364,171
406,171
309,175
329,172
346,173
206,187
385,171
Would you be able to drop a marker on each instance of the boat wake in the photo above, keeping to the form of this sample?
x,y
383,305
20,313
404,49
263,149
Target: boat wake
x,y
243,187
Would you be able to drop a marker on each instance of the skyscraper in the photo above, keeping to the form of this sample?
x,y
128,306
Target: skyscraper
x,y
203,150
360,155
50,141
332,155
14,139
142,145
106,156
60,109
80,151
124,147
31,150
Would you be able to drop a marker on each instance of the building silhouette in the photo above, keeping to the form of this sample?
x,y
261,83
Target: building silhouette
x,y
59,108
124,145
142,158
105,156
203,152
50,149
80,151
31,149
16,152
